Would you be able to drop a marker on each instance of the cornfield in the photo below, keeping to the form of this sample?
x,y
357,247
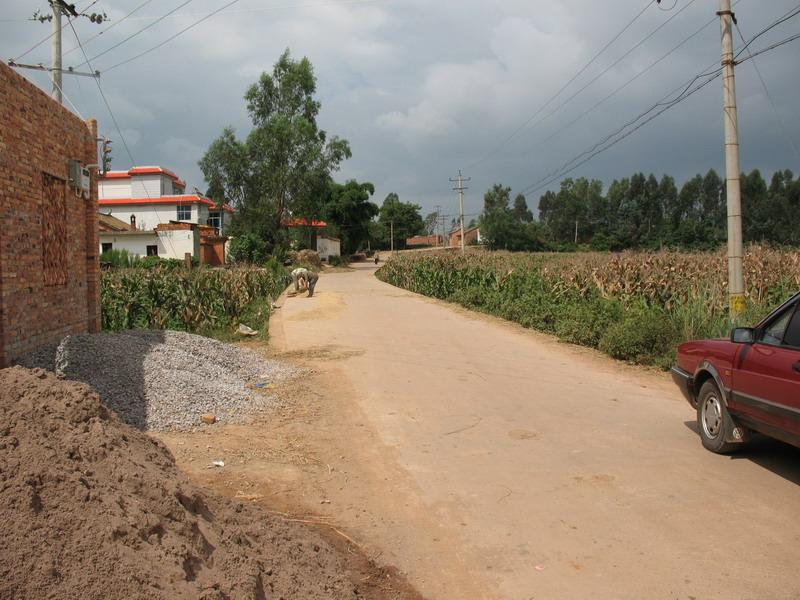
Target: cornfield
x,y
591,298
189,300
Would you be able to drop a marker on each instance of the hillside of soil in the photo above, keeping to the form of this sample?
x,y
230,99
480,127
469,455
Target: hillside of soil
x,y
93,508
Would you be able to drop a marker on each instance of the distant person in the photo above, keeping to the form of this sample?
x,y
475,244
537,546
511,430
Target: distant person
x,y
311,281
376,258
299,275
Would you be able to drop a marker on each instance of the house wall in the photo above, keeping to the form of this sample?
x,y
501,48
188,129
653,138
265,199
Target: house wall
x,y
171,244
327,247
48,243
114,188
135,244
175,244
146,186
148,217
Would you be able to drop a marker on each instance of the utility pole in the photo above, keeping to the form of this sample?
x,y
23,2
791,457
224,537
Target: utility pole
x,y
391,235
438,218
460,189
59,7
56,52
732,168
576,232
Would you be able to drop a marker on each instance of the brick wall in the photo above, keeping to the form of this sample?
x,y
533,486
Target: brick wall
x,y
49,268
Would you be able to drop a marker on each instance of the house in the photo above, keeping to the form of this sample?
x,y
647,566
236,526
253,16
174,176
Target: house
x,y
424,241
168,240
472,235
328,246
146,212
149,196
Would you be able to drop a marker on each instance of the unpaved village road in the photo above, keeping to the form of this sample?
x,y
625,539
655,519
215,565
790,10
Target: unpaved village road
x,y
518,467
487,461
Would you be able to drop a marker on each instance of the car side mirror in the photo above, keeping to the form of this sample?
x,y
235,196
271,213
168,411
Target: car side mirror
x,y
743,335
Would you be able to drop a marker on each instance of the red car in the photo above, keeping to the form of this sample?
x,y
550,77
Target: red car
x,y
748,383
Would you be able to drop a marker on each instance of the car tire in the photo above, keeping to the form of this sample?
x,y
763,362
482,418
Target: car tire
x,y
713,420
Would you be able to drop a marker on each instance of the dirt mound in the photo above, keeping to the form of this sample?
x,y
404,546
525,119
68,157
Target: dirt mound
x,y
94,508
308,258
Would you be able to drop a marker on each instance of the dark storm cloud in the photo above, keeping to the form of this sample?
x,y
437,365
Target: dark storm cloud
x,y
424,88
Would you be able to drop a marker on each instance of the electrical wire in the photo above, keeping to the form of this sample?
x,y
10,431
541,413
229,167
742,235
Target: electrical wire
x,y
609,140
630,81
40,42
789,15
113,24
565,86
269,8
778,117
133,35
545,183
172,37
116,126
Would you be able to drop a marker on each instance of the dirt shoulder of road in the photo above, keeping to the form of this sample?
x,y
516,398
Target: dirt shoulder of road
x,y
291,460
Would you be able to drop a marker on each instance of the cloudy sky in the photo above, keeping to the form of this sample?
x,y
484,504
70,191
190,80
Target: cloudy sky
x,y
422,89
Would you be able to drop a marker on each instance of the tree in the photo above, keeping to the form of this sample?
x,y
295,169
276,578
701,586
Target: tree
x,y
349,209
521,211
284,166
431,221
406,220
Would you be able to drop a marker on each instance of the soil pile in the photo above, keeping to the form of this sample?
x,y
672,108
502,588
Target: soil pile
x,y
93,508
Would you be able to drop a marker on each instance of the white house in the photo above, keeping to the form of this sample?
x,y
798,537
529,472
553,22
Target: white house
x,y
149,196
328,246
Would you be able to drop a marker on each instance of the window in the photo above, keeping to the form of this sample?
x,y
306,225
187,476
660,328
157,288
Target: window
x,y
184,212
774,332
107,247
215,219
792,337
152,250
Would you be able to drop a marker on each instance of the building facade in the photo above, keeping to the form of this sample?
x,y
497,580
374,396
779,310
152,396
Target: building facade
x,y
150,196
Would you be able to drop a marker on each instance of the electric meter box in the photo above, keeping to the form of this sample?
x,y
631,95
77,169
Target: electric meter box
x,y
79,178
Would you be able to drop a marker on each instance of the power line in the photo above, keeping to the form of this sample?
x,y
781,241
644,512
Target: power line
x,y
537,186
631,80
133,35
269,8
567,84
599,148
612,65
116,126
777,114
172,37
114,24
42,41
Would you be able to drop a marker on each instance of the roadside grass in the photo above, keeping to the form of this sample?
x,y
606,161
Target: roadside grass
x,y
634,306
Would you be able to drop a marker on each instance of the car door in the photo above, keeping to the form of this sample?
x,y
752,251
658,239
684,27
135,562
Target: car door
x,y
766,377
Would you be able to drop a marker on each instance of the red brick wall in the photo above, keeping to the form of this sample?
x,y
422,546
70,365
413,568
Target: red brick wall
x,y
48,269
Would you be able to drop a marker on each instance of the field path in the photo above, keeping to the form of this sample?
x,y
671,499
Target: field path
x,y
487,461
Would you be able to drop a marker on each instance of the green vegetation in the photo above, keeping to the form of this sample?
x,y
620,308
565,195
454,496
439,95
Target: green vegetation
x,y
208,301
634,306
643,212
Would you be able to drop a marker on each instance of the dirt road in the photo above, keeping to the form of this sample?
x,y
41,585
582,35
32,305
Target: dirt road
x,y
487,461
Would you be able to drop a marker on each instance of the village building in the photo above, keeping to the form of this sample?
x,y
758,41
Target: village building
x,y
472,236
146,212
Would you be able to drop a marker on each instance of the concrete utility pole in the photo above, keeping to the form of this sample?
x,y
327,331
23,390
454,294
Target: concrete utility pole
x,y
460,189
56,52
732,168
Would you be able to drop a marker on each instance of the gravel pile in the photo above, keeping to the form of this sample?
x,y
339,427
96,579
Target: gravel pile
x,y
162,380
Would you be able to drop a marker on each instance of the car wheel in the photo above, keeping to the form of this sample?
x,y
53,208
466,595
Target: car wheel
x,y
713,420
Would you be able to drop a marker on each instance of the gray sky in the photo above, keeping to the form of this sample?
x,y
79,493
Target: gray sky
x,y
423,88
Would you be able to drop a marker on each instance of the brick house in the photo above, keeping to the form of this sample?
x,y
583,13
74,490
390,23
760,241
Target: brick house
x,y
421,241
48,243
472,235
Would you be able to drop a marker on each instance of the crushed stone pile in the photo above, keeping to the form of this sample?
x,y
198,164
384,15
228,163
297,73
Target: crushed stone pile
x,y
163,380
93,508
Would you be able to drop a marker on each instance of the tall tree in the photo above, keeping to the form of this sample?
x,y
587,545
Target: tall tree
x,y
521,211
349,209
402,217
285,164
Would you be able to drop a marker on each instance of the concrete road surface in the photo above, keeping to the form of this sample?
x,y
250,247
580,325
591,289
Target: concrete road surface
x,y
488,461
